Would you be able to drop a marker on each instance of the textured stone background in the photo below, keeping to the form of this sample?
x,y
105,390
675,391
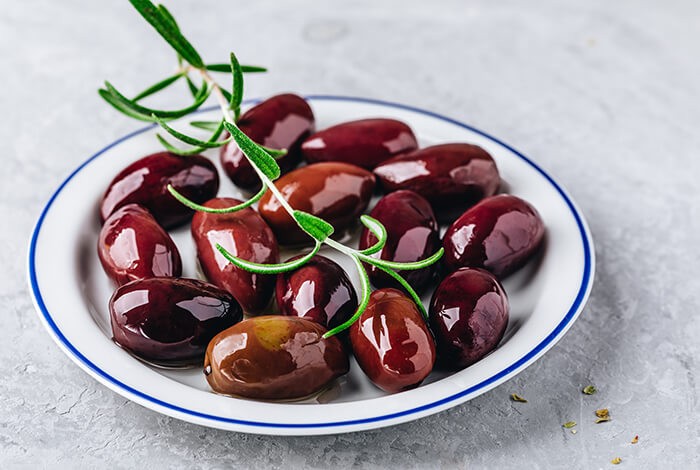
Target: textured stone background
x,y
605,95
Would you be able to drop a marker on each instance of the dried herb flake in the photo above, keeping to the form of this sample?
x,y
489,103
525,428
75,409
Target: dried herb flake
x,y
616,461
518,398
635,439
589,390
569,424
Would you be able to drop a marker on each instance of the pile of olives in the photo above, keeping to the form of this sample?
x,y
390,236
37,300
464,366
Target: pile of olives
x,y
229,324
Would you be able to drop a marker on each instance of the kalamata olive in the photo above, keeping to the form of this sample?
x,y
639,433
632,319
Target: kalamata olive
x,y
274,357
133,246
279,122
392,343
365,143
449,176
146,180
412,235
468,315
500,234
320,291
245,235
170,321
336,192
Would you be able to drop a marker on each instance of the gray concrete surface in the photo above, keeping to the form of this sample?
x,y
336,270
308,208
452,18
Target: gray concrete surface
x,y
605,95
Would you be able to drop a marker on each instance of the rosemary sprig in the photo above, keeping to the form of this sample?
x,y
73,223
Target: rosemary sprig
x,y
262,159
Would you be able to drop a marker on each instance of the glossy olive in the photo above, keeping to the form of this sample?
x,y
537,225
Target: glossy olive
x,y
280,122
170,321
133,246
243,234
365,143
146,180
336,192
274,357
449,176
412,235
500,234
468,315
320,291
392,343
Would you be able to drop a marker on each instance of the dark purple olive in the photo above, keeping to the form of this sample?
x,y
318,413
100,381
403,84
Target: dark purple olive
x,y
279,122
335,192
320,291
133,246
145,182
170,321
365,143
392,343
468,315
450,176
245,235
500,234
412,235
274,358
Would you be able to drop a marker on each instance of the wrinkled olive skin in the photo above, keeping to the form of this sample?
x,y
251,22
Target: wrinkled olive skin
x,y
392,343
145,182
133,246
468,315
335,192
500,234
450,176
412,235
319,291
274,357
245,235
365,143
170,321
279,122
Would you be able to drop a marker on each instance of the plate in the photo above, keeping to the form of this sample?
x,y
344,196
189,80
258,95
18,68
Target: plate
x,y
71,292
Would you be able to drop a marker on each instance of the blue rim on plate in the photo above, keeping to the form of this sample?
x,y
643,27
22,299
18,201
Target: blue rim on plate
x,y
565,322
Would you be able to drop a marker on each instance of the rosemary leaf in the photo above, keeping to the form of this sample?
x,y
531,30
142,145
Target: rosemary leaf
x,y
146,113
398,278
190,84
168,16
165,26
237,86
207,144
378,230
257,156
158,86
404,266
366,292
226,68
119,106
316,227
269,268
223,210
206,125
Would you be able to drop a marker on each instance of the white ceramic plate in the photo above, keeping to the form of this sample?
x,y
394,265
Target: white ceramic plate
x,y
71,293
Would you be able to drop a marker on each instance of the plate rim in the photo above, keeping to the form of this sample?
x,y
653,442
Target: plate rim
x,y
348,425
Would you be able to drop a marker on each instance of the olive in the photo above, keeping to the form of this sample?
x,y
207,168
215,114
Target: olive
x,y
335,192
319,291
170,321
274,357
501,233
146,180
412,235
450,176
280,122
133,246
468,315
392,343
365,143
245,235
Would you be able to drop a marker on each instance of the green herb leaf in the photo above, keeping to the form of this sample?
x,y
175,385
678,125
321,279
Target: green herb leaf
x,y
194,90
133,109
157,86
378,230
404,266
207,144
398,278
257,156
224,210
206,125
237,86
275,153
168,16
226,68
268,268
318,228
196,150
164,24
366,292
